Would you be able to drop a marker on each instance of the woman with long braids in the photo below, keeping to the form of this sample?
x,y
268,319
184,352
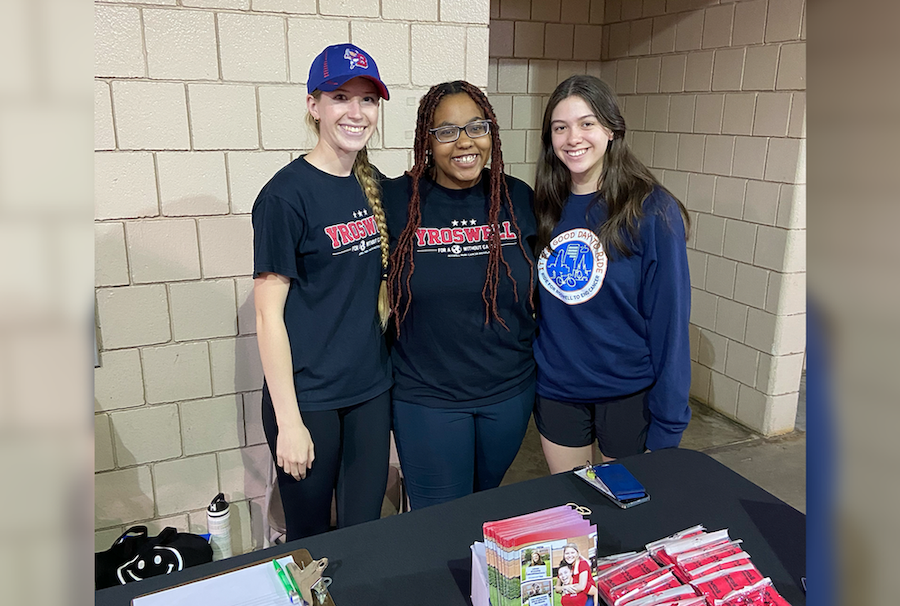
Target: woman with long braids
x,y
612,351
461,283
320,251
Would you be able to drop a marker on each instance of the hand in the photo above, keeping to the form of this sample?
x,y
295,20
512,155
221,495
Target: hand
x,y
294,450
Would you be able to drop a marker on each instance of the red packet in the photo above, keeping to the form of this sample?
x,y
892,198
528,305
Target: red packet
x,y
762,593
670,551
627,570
641,588
732,561
719,584
655,546
607,562
683,595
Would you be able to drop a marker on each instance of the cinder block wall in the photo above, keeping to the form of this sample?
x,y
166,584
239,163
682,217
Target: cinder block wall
x,y
197,103
714,99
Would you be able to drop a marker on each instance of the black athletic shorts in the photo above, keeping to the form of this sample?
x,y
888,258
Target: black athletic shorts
x,y
620,426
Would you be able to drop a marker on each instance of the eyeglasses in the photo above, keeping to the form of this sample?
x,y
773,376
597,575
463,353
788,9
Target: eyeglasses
x,y
449,134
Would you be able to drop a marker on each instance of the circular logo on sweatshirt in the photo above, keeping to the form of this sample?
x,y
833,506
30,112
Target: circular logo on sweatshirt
x,y
573,272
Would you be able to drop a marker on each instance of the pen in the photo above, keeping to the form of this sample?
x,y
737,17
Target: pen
x,y
289,586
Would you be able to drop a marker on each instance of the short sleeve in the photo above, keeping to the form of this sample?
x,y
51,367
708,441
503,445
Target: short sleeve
x,y
278,231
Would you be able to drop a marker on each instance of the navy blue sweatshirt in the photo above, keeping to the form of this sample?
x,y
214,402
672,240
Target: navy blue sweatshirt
x,y
446,356
611,325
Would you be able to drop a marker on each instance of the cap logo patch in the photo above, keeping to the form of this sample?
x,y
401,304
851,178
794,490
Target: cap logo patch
x,y
356,59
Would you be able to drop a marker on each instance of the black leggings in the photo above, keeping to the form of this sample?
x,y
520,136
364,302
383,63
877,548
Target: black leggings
x,y
352,447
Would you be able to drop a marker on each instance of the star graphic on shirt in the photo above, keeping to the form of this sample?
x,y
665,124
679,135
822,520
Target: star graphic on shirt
x,y
471,221
355,214
454,222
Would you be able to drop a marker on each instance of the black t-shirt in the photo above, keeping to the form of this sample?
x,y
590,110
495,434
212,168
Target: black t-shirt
x,y
317,229
446,356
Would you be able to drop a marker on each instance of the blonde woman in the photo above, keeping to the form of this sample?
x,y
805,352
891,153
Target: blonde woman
x,y
320,251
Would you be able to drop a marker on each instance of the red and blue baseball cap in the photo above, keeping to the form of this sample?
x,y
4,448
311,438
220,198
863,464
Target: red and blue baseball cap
x,y
339,63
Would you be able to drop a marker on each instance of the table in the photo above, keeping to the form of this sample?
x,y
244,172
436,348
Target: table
x,y
404,558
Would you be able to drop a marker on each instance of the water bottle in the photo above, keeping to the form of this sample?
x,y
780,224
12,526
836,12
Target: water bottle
x,y
218,520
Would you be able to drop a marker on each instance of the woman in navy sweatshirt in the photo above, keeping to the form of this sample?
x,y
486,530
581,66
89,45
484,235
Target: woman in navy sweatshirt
x,y
612,350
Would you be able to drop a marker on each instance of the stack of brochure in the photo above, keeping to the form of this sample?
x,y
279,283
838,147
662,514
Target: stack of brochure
x,y
530,557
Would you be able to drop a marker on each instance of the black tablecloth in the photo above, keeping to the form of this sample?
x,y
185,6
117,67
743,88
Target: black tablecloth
x,y
424,557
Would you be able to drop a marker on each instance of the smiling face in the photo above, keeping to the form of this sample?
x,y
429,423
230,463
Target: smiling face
x,y
347,115
565,575
579,141
570,554
458,165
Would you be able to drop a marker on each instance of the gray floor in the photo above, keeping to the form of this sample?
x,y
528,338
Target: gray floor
x,y
776,464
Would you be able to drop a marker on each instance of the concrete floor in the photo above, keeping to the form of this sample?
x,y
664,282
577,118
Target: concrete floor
x,y
776,464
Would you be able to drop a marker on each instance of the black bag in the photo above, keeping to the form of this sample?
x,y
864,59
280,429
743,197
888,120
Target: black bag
x,y
135,556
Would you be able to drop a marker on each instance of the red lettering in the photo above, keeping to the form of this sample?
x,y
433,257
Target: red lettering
x,y
420,236
354,230
473,234
331,230
446,235
345,233
486,232
507,234
458,236
434,235
370,226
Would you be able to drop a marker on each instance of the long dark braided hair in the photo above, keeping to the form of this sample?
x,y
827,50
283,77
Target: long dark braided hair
x,y
403,254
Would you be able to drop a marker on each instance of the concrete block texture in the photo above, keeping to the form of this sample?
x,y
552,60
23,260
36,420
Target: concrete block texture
x,y
477,55
179,523
699,70
203,310
751,285
703,309
248,172
118,381
731,319
103,448
176,372
400,117
515,9
253,47
749,157
663,40
146,434
223,116
103,539
192,183
162,124
547,11
672,74
762,202
792,207
163,250
728,66
424,10
529,40
559,39
742,363
465,11
282,118
388,43
749,23
723,394
118,49
253,428
110,260
575,11
242,472
308,37
740,240
502,38
512,76
760,67
233,4
729,197
786,293
717,26
720,276
213,424
776,335
122,497
690,152
751,409
626,76
246,312
783,20
700,193
779,374
181,44
306,7
542,76
124,185
236,365
427,71
185,484
349,8
639,37
713,349
738,115
104,132
527,112
226,246
657,118
133,315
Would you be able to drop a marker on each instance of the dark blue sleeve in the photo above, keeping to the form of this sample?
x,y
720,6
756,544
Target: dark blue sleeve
x,y
666,307
278,230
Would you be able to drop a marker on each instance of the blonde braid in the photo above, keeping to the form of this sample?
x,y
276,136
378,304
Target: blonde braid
x,y
365,174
